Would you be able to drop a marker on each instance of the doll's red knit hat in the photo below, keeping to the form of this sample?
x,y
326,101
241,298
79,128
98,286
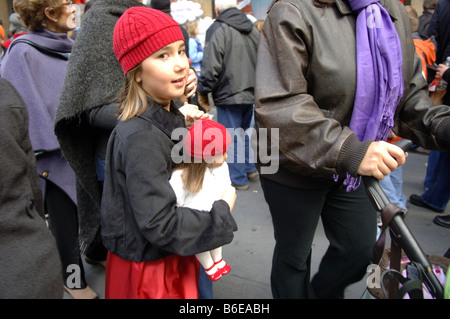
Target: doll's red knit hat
x,y
207,138
140,32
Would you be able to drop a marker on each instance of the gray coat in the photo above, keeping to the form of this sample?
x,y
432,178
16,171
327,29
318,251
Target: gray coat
x,y
29,263
93,80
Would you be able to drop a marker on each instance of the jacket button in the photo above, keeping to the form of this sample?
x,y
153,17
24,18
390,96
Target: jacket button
x,y
45,174
30,207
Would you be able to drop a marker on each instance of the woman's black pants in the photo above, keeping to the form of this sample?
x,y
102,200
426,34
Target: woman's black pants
x,y
350,224
63,217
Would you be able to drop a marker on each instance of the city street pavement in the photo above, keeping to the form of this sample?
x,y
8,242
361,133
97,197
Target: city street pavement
x,y
250,253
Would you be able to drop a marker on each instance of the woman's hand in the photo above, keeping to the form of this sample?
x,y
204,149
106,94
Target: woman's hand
x,y
229,195
441,70
191,84
192,113
381,159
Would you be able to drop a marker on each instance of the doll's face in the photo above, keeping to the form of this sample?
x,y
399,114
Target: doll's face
x,y
163,74
217,161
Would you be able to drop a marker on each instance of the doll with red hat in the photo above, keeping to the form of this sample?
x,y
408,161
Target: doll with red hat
x,y
202,179
152,241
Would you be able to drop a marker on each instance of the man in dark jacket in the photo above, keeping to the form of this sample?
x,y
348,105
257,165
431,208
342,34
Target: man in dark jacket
x,y
437,194
425,18
439,27
228,72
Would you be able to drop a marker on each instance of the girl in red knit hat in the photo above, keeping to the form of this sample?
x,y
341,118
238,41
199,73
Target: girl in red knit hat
x,y
202,179
151,241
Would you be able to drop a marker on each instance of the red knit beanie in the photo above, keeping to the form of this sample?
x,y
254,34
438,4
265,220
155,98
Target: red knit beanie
x,y
140,32
207,138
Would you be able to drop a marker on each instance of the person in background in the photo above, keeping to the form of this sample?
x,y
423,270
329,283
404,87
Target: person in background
x,y
195,47
316,86
86,115
87,6
228,72
439,28
425,18
36,65
438,186
151,241
30,267
425,45
16,28
437,180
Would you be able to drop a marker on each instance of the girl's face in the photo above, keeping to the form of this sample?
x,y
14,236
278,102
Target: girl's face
x,y
163,74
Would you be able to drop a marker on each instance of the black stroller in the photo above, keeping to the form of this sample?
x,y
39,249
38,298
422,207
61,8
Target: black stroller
x,y
401,239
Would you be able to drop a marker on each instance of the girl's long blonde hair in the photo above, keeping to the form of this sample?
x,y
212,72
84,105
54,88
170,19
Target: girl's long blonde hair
x,y
133,98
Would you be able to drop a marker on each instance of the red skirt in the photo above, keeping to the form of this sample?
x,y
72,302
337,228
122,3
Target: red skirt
x,y
172,277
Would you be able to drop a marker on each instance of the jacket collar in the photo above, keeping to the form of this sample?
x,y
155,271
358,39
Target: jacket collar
x,y
344,8
164,120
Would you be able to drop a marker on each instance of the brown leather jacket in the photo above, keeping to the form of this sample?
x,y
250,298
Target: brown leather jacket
x,y
305,87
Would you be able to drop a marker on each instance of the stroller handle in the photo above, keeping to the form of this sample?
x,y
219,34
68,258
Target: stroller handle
x,y
400,232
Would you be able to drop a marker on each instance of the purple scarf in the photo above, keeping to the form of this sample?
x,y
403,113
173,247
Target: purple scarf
x,y
379,85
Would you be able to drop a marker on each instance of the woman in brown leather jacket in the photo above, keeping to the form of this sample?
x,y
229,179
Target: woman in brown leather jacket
x,y
332,96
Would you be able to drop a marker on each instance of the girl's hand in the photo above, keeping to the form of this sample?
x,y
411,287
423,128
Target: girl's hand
x,y
229,195
191,84
192,113
381,158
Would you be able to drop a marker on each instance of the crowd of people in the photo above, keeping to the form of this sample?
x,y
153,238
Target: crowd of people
x,y
88,138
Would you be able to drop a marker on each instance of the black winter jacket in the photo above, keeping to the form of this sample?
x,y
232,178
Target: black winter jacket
x,y
139,216
30,266
229,59
439,27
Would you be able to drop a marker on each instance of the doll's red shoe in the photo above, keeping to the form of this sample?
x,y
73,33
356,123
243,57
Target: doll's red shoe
x,y
215,275
225,269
